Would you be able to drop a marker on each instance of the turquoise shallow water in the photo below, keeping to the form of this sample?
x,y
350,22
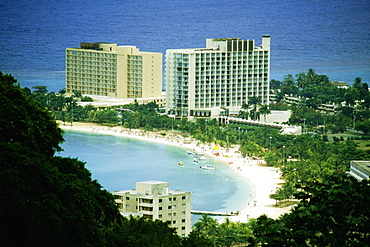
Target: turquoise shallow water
x,y
118,163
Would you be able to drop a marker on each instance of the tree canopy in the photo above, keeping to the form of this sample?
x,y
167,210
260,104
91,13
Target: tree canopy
x,y
334,212
24,121
47,200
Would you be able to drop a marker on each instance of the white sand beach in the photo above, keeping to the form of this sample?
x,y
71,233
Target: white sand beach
x,y
264,179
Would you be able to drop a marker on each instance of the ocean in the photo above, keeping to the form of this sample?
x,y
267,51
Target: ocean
x,y
332,37
118,163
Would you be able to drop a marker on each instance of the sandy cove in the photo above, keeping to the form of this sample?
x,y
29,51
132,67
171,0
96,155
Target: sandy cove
x,y
264,179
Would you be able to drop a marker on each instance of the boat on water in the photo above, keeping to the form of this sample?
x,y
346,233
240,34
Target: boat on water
x,y
202,157
208,167
180,164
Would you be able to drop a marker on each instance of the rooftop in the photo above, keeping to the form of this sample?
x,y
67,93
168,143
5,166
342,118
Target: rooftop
x,y
364,164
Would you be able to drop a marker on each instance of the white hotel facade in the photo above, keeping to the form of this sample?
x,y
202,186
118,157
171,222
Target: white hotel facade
x,y
224,75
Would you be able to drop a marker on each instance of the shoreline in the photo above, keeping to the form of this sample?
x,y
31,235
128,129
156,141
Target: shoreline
x,y
264,179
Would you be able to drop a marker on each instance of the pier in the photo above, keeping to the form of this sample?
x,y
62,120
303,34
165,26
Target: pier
x,y
212,213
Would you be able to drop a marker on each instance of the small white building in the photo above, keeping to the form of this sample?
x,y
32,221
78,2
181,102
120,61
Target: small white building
x,y
154,200
360,169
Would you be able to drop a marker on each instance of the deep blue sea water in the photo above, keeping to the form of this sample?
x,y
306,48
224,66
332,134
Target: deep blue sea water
x,y
118,163
332,36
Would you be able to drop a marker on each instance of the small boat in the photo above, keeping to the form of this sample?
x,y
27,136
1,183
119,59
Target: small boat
x,y
190,152
208,167
180,164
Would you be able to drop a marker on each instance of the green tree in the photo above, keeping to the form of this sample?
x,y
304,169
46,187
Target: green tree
x,y
264,111
288,85
24,121
350,96
40,94
196,239
275,84
206,226
233,233
364,126
243,113
77,94
255,102
272,159
251,148
270,232
137,231
104,116
47,200
334,212
87,99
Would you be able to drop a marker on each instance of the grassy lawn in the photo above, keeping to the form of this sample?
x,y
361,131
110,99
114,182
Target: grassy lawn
x,y
287,203
362,144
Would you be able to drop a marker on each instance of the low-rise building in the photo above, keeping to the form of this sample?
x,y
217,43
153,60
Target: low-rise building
x,y
360,169
154,200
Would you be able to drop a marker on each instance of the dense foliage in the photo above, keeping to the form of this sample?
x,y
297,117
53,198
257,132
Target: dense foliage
x,y
334,212
48,200
314,91
52,201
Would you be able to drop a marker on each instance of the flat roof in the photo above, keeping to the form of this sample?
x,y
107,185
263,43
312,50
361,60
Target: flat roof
x,y
153,182
364,164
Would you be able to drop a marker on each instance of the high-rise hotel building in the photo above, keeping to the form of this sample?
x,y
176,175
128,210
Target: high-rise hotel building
x,y
106,69
223,75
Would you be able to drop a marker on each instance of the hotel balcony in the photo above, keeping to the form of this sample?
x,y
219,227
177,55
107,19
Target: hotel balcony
x,y
146,210
142,204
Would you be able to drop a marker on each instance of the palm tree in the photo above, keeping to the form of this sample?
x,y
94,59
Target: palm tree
x,y
243,113
207,226
254,114
264,110
255,101
245,106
